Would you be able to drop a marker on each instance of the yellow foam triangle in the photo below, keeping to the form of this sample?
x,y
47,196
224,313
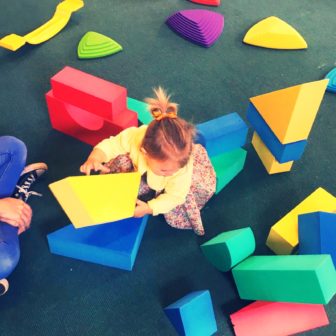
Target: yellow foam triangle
x,y
97,199
283,236
274,33
291,112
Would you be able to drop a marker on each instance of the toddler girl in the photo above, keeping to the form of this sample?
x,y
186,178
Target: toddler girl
x,y
177,176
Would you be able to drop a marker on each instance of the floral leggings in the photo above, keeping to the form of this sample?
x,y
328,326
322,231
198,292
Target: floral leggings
x,y
203,186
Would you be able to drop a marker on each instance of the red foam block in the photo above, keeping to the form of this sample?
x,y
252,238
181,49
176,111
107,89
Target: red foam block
x,y
262,318
83,125
207,2
91,93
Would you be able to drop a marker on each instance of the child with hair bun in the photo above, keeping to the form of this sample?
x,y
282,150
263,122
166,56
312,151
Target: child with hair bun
x,y
177,176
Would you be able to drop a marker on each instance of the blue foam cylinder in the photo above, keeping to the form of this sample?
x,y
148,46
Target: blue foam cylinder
x,y
317,234
222,134
193,314
283,153
113,244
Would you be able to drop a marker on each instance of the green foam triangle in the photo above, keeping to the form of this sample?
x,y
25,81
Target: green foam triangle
x,y
95,45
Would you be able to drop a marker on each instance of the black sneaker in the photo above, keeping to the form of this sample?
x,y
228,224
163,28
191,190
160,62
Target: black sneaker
x,y
27,178
4,285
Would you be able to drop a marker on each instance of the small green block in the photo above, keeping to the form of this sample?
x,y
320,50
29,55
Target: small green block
x,y
227,166
229,248
141,109
95,45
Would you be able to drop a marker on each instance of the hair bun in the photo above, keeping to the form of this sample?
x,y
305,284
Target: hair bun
x,y
161,107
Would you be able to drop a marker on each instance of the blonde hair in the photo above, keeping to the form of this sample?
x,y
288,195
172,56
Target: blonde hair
x,y
167,136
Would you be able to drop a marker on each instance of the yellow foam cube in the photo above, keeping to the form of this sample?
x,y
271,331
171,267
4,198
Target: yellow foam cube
x,y
283,236
291,112
274,33
269,161
97,199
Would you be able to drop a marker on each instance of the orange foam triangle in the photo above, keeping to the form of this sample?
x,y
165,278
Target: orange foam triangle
x,y
291,112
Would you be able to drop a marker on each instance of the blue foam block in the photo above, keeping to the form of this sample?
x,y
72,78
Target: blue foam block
x,y
193,314
331,75
283,153
113,244
317,234
222,134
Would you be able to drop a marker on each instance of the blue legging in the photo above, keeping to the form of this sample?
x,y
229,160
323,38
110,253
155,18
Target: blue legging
x,y
13,154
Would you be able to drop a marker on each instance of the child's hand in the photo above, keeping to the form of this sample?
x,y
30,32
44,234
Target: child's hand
x,y
92,164
142,209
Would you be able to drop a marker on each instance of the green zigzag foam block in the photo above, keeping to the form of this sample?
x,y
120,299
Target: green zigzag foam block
x,y
95,45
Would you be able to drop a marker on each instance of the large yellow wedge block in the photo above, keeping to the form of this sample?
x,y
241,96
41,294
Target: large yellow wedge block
x,y
97,199
269,161
274,33
283,236
291,112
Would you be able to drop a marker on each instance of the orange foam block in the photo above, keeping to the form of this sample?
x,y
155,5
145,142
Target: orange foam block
x,y
278,318
97,199
91,93
83,125
291,112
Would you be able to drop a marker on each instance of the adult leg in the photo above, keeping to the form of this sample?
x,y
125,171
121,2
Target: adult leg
x,y
13,154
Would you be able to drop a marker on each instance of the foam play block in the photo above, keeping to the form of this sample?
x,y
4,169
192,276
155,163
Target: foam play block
x,y
295,278
83,125
48,30
290,112
207,2
97,199
112,244
283,236
282,153
274,33
270,163
317,233
141,109
331,75
222,134
94,45
278,318
193,314
227,166
88,92
229,248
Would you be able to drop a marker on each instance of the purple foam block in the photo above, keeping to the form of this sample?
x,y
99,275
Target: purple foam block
x,y
200,26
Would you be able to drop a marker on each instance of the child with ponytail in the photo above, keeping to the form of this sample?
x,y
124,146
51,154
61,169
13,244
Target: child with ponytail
x,y
177,176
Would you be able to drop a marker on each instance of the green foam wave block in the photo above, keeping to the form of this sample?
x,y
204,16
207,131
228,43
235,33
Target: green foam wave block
x,y
95,45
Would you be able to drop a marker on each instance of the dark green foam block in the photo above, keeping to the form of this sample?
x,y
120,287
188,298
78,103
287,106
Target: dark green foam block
x,y
141,109
227,166
289,278
95,45
229,248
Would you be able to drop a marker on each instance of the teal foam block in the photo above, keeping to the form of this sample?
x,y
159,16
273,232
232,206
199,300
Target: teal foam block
x,y
229,248
193,314
113,244
331,75
283,153
222,134
227,166
141,109
317,234
289,278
